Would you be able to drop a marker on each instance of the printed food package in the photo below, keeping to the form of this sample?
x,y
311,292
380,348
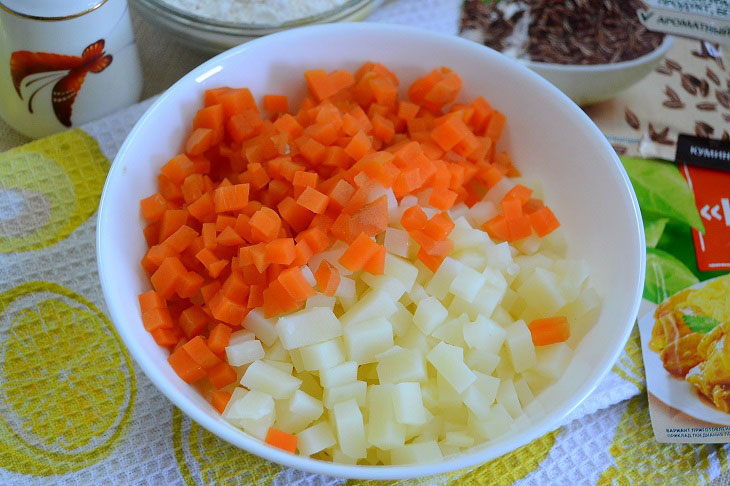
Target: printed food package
x,y
672,132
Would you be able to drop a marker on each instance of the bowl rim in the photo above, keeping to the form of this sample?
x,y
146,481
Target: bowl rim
x,y
252,445
246,29
657,53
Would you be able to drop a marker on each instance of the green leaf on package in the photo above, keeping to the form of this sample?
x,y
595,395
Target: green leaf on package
x,y
700,324
665,276
662,191
653,230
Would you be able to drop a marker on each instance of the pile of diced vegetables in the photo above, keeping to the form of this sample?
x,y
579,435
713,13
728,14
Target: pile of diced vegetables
x,y
365,280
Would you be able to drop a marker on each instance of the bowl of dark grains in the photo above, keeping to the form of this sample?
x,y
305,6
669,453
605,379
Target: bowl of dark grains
x,y
590,49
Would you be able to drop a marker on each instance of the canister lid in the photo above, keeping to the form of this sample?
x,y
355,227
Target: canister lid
x,y
50,9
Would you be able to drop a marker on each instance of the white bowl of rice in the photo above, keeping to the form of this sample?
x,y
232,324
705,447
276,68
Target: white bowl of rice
x,y
214,26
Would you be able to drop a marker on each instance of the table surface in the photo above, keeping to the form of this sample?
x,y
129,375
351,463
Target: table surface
x,y
164,61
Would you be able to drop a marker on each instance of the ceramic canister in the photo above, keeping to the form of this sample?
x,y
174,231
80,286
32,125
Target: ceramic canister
x,y
65,63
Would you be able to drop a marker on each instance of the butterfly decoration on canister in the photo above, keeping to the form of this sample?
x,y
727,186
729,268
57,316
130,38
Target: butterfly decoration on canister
x,y
68,82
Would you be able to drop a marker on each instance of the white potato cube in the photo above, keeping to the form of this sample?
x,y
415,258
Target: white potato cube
x,y
482,361
323,355
472,258
429,314
346,289
337,394
414,339
332,255
284,366
501,316
481,394
497,423
499,256
276,352
264,329
540,290
297,412
296,358
524,393
441,281
350,429
401,320
341,374
372,304
448,397
482,212
339,457
529,245
401,366
452,331
466,237
240,336
484,334
416,294
520,347
507,396
385,283
233,410
458,211
497,192
458,439
553,359
254,412
449,362
401,269
397,242
244,352
467,283
316,438
408,403
320,300
366,339
383,431
269,379
308,326
417,453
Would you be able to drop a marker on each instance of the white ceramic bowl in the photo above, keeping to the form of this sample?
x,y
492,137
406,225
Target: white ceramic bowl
x,y
591,84
548,135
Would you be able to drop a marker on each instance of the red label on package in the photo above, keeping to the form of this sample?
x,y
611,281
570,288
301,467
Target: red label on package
x,y
712,196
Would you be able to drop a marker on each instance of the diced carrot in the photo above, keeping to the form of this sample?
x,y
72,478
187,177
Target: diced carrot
x,y
220,400
151,234
188,284
203,209
341,79
359,146
226,310
407,110
231,198
153,207
235,288
413,218
305,179
320,84
277,300
178,168
439,226
151,300
511,208
265,225
313,200
295,284
185,367
199,351
166,337
531,206
229,237
281,440
376,263
328,278
172,220
199,141
543,221
340,194
288,124
518,228
281,251
296,216
165,279
549,330
244,125
219,337
222,374
442,199
255,296
235,101
209,117
359,253
209,290
316,239
433,262
497,228
449,133
276,103
209,235
193,321
495,125
158,318
181,238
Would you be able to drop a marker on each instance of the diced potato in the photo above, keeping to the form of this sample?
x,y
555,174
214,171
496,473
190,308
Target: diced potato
x,y
310,384
340,457
529,245
482,361
233,409
540,290
524,393
308,326
337,394
441,281
315,438
244,352
253,411
268,379
264,329
350,429
465,238
323,355
449,362
467,283
501,316
367,338
408,403
429,314
497,192
372,304
397,242
346,289
497,423
472,258
297,412
282,365
555,242
296,359
417,294
448,397
414,339
332,255
401,320
499,256
520,347
481,394
505,370
494,278
320,300
458,210
401,366
458,439
338,375
552,360
308,275
484,334
276,352
417,453
481,212
452,331
507,396
240,336
385,283
401,269
383,430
